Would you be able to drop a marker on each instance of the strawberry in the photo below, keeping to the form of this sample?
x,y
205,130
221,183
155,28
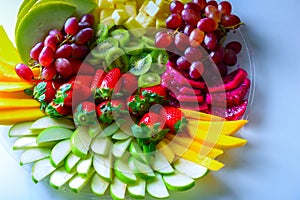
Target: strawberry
x,y
108,84
175,119
108,110
137,104
129,83
156,94
57,110
97,79
45,92
150,119
85,114
72,92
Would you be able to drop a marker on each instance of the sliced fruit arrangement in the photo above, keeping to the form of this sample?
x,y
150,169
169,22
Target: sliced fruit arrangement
x,y
98,98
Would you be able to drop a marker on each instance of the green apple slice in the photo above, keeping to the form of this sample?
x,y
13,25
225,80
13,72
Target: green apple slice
x,y
117,189
156,187
110,130
77,183
33,155
41,169
141,169
29,142
137,152
189,168
47,122
99,185
103,166
120,135
60,177
101,145
138,189
120,147
83,167
80,142
22,129
55,133
59,152
178,181
161,164
71,162
123,171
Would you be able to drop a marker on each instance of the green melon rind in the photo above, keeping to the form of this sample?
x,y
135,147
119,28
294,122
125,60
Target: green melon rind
x,y
38,22
33,155
23,10
178,181
22,129
55,133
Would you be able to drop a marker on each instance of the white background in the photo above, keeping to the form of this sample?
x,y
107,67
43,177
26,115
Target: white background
x,y
268,167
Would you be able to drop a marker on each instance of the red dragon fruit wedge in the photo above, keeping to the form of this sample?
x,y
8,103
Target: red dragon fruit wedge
x,y
233,97
231,81
231,113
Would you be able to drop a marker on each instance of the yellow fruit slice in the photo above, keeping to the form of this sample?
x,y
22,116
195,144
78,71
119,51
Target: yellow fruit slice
x,y
13,116
8,53
200,115
15,95
230,142
163,147
15,86
10,103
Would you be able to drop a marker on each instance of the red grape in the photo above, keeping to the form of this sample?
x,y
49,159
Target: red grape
x,y
71,26
181,41
207,25
196,70
193,6
201,3
174,21
176,7
23,71
57,34
210,41
212,2
84,35
222,69
89,18
36,50
230,58
235,46
210,9
190,16
46,56
217,54
64,51
230,21
64,67
51,41
183,63
49,73
196,37
83,25
79,51
224,8
193,54
215,16
163,40
188,29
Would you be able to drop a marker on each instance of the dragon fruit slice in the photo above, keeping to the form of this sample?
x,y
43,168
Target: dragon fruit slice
x,y
231,97
231,113
231,81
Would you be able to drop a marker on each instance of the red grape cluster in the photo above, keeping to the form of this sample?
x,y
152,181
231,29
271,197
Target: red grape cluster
x,y
61,52
200,25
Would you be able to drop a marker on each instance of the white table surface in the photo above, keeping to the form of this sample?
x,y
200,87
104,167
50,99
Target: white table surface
x,y
268,167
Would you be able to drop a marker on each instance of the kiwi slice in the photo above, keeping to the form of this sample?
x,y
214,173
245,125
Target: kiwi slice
x,y
101,50
116,58
159,61
121,35
140,64
134,47
149,43
148,80
102,32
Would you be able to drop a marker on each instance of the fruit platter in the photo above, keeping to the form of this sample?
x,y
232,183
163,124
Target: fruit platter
x,y
124,98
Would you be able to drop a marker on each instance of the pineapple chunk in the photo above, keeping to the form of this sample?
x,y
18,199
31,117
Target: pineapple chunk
x,y
106,13
134,27
119,16
120,6
131,10
151,9
144,19
163,5
131,3
109,21
105,4
160,23
139,3
118,1
142,7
